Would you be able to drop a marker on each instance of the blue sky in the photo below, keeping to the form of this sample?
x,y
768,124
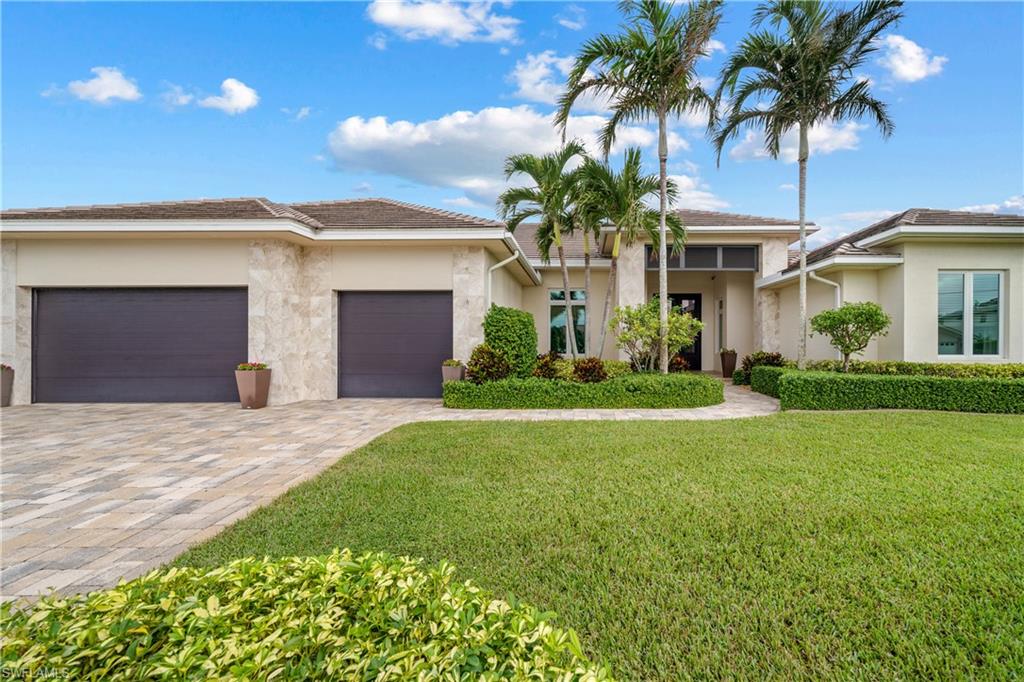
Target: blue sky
x,y
130,102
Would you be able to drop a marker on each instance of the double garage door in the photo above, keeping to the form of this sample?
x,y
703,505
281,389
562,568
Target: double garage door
x,y
181,345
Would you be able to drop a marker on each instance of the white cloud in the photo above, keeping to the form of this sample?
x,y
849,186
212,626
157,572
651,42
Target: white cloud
x,y
1013,206
714,46
823,138
175,96
841,224
363,188
443,20
788,187
107,84
696,194
235,98
463,202
541,78
464,150
573,18
907,61
297,114
378,41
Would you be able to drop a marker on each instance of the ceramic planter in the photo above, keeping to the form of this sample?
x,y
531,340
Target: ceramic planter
x,y
253,388
452,373
728,363
6,386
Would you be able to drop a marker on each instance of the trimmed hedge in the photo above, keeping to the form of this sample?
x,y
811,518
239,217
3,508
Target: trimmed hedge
x,y
511,332
335,617
765,379
741,377
935,369
632,391
834,391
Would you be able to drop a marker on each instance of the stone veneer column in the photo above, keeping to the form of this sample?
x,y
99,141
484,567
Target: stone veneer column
x,y
631,279
15,324
774,259
292,319
469,274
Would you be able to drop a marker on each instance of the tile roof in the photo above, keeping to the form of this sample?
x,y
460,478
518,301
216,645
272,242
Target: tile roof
x,y
912,216
380,213
526,233
693,218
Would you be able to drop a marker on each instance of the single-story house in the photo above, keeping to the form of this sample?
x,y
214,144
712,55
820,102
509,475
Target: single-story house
x,y
366,297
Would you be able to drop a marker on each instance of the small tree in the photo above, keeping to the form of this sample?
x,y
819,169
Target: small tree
x,y
851,326
639,332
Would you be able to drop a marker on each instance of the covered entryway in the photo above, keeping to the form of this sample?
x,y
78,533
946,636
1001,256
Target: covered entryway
x,y
137,345
391,343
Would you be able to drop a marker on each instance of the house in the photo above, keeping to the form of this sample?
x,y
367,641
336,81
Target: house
x,y
366,297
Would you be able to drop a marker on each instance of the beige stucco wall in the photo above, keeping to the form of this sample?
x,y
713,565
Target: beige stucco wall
x,y
819,297
392,267
505,289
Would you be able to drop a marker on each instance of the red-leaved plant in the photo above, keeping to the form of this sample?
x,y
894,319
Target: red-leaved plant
x,y
251,366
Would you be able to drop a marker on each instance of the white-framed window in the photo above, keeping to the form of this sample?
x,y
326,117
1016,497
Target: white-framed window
x,y
578,299
970,315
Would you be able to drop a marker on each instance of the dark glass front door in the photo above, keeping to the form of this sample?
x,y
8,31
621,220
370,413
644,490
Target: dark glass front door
x,y
689,303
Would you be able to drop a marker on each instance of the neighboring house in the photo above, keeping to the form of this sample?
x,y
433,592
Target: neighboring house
x,y
366,297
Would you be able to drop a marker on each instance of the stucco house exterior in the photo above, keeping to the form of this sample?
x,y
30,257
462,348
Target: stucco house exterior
x,y
366,297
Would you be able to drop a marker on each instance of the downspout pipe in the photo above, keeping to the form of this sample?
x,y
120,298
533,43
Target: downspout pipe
x,y
839,294
490,274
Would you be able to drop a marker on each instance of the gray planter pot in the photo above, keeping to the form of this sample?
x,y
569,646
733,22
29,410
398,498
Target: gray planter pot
x,y
452,373
6,386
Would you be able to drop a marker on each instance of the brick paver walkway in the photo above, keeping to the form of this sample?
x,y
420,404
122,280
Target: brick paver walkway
x,y
95,493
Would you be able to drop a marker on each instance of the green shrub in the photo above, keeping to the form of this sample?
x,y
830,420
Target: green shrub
x,y
935,369
851,326
639,332
738,378
546,366
589,370
765,379
617,368
487,364
334,617
631,391
512,333
757,359
563,370
834,391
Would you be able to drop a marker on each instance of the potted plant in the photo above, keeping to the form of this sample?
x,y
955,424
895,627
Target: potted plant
x,y
253,384
6,384
728,356
452,370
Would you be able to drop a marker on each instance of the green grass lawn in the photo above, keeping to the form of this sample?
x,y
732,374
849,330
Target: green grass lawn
x,y
868,545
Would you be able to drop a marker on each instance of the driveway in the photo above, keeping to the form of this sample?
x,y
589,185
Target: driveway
x,y
95,493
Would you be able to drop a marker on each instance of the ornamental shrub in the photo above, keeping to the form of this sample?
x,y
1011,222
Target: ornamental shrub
x,y
588,370
678,364
338,617
512,332
836,391
617,368
756,359
639,332
487,364
851,326
935,369
546,366
631,391
765,379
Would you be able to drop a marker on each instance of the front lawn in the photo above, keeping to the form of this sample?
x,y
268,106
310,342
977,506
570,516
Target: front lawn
x,y
870,545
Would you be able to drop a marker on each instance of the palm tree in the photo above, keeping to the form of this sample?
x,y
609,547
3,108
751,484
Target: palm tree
x,y
800,75
586,215
648,71
620,198
550,200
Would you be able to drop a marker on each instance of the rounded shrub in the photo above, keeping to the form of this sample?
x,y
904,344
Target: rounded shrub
x,y
546,366
589,370
487,364
338,617
512,332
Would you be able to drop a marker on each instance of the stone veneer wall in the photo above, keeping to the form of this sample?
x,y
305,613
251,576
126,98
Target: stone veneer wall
x,y
293,319
469,274
15,323
774,258
631,279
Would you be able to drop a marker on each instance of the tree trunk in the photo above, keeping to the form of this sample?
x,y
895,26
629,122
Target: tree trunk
x,y
846,362
587,323
662,244
570,332
801,352
612,272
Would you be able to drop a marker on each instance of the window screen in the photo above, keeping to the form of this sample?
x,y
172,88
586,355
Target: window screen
x,y
739,257
701,257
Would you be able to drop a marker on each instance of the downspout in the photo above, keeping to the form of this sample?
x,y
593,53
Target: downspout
x,y
490,272
839,295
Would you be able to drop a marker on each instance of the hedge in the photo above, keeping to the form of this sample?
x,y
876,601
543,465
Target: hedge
x,y
834,391
936,369
337,617
632,391
511,332
765,379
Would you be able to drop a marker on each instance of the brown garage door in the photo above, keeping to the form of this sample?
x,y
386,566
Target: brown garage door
x,y
391,344
137,345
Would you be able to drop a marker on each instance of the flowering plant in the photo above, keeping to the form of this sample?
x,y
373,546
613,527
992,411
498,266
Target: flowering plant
x,y
251,366
5,366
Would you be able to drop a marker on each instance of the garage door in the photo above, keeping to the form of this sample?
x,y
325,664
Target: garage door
x,y
391,344
137,345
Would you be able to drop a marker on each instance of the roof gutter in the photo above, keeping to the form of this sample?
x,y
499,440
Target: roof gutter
x,y
998,231
490,277
834,261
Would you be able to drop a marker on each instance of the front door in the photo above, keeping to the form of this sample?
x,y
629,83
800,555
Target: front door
x,y
689,303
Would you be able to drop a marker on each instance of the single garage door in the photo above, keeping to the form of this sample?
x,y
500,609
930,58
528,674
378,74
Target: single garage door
x,y
137,345
391,344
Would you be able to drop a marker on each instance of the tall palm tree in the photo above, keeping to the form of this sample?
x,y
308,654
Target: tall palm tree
x,y
801,74
587,217
648,71
550,200
620,198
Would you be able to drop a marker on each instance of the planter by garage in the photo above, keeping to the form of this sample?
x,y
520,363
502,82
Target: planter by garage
x,y
452,372
6,384
253,380
728,358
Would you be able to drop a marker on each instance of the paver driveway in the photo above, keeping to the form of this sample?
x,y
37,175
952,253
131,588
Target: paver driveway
x,y
94,493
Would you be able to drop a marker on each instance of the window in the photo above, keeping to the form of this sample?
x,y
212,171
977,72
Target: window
x,y
708,258
970,313
557,319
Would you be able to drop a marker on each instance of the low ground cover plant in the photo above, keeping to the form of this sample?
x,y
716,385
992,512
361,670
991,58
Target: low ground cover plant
x,y
335,617
646,390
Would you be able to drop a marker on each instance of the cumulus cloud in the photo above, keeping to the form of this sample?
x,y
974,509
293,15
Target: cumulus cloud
x,y
541,78
841,224
235,98
696,194
445,21
572,18
823,138
106,85
907,61
714,46
175,96
1012,206
462,202
463,150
